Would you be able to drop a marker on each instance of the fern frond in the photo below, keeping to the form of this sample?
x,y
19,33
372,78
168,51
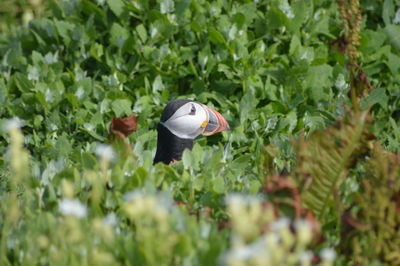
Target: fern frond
x,y
324,159
376,207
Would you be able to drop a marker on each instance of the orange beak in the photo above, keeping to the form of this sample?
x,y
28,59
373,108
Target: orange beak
x,y
216,122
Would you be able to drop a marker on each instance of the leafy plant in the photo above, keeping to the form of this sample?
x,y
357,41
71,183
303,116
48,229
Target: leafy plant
x,y
274,69
325,159
373,219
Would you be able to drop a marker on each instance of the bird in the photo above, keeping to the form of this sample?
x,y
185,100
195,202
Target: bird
x,y
182,120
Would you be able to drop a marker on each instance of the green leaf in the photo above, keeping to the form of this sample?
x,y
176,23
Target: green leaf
x,y
312,122
388,10
247,104
187,159
166,6
215,37
141,30
198,183
118,35
292,119
219,185
372,40
91,9
393,63
116,6
64,29
376,96
241,163
318,78
393,33
22,82
97,51
303,10
276,18
63,145
249,11
88,160
157,84
122,107
254,187
295,45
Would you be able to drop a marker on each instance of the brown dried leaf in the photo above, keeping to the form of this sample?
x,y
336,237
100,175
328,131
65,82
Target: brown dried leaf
x,y
277,184
124,125
348,219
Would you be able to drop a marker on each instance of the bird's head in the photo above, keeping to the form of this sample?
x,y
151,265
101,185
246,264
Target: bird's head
x,y
188,119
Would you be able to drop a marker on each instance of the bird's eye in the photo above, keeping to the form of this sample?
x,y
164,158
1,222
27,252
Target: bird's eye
x,y
193,110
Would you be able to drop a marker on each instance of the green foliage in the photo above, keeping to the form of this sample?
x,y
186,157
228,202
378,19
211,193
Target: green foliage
x,y
374,220
325,159
272,68
15,12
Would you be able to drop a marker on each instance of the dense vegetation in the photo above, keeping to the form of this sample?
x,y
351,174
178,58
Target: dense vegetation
x,y
308,173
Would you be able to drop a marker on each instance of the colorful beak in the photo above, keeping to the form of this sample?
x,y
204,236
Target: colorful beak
x,y
216,122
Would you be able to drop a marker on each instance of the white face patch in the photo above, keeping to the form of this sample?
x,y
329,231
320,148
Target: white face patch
x,y
187,120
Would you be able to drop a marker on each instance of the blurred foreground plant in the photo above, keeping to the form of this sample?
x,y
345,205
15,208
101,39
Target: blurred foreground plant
x,y
14,200
259,238
371,226
325,159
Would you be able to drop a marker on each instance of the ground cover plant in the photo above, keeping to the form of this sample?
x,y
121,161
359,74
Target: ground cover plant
x,y
308,173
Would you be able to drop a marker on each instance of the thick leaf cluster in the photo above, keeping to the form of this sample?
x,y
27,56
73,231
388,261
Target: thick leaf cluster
x,y
272,68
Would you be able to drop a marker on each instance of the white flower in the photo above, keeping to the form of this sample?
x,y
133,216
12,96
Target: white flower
x,y
340,83
88,126
252,250
79,74
328,254
238,199
50,58
53,127
304,231
205,230
11,242
261,46
49,96
12,123
33,73
232,32
111,219
113,80
317,14
132,195
105,151
306,256
279,224
167,6
153,31
72,207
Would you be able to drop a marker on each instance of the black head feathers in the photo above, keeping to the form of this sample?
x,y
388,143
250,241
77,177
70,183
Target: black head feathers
x,y
171,108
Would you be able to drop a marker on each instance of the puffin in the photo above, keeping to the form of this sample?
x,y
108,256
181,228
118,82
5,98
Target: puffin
x,y
182,120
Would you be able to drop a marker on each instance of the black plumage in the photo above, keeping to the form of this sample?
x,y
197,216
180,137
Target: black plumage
x,y
170,147
171,108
